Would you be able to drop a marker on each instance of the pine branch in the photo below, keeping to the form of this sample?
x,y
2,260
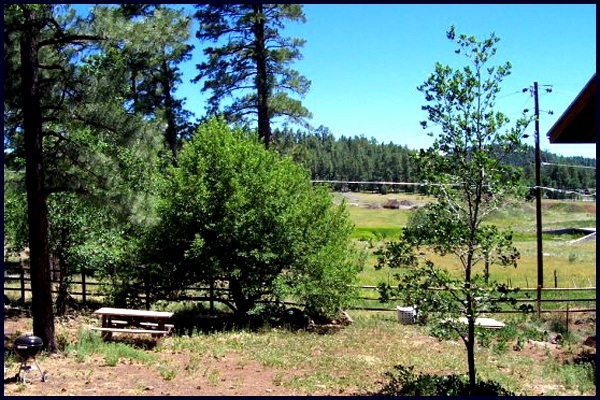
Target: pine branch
x,y
70,39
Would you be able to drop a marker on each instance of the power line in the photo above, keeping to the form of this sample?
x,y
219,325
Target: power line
x,y
509,94
568,165
391,183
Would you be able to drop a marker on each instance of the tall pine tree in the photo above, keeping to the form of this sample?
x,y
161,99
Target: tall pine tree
x,y
251,64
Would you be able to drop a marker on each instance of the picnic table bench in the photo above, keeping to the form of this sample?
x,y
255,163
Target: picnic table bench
x,y
123,320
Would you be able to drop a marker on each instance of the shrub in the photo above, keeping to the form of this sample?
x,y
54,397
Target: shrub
x,y
234,211
404,382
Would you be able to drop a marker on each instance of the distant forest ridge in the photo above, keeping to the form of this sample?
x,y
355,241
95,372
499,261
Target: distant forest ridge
x,y
361,159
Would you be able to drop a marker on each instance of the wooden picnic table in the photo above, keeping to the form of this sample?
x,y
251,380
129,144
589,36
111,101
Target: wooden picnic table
x,y
123,320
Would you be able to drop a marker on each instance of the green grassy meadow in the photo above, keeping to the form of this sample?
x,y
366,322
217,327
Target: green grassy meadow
x,y
564,263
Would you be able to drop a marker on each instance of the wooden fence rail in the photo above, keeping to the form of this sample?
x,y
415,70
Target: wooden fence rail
x,y
22,277
549,289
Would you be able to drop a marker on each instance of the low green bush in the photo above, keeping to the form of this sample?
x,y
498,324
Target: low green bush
x,y
404,382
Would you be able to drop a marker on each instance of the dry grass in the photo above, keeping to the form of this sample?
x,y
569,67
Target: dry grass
x,y
275,361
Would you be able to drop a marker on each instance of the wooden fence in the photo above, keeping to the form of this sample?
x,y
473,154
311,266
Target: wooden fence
x,y
519,300
88,288
21,275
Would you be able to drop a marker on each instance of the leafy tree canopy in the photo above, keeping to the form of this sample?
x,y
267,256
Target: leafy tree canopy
x,y
234,211
469,180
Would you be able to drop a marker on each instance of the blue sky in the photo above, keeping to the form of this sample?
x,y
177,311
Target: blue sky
x,y
366,61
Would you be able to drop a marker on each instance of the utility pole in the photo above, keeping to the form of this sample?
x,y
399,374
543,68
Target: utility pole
x,y
538,201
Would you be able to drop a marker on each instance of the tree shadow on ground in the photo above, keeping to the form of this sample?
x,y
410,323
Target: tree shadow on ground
x,y
292,319
206,324
134,341
403,381
586,358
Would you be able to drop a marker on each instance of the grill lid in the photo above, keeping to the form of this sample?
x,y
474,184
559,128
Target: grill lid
x,y
26,341
27,346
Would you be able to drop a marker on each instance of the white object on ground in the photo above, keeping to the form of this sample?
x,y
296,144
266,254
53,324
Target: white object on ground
x,y
406,315
484,322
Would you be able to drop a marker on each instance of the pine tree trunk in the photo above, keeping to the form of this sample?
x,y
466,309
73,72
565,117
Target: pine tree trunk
x,y
262,83
37,210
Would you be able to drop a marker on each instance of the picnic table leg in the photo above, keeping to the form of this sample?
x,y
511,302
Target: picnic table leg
x,y
161,327
157,337
106,322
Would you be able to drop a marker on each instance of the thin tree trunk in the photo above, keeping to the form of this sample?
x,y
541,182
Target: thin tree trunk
x,y
471,355
486,270
37,210
242,303
63,293
471,328
262,83
63,283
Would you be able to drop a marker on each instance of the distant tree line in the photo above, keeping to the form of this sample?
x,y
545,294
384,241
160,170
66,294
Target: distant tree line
x,y
360,159
559,172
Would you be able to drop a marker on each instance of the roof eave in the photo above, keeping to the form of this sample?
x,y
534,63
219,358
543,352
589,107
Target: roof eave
x,y
578,123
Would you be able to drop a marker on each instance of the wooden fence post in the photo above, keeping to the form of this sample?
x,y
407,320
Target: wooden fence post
x,y
83,288
555,280
212,295
22,283
147,288
539,301
567,318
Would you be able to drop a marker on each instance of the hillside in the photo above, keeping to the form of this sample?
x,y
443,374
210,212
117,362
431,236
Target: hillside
x,y
362,159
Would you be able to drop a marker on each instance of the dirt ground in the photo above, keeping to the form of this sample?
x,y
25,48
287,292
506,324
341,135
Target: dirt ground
x,y
227,376
67,377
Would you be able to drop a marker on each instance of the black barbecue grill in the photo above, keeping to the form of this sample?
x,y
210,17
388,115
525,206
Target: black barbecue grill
x,y
27,347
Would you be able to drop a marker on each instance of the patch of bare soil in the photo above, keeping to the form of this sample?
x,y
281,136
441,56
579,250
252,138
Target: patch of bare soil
x,y
67,377
589,207
223,376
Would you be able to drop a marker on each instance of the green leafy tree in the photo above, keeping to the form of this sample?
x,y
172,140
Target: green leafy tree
x,y
15,212
252,63
234,211
466,174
